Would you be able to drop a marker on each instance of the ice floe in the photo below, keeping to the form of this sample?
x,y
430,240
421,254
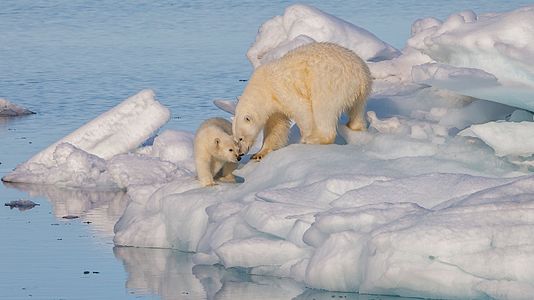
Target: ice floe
x,y
9,109
435,200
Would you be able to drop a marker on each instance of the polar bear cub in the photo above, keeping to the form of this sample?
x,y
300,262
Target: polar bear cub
x,y
311,85
215,151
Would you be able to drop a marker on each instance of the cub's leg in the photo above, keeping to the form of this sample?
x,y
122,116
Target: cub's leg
x,y
227,170
216,166
204,171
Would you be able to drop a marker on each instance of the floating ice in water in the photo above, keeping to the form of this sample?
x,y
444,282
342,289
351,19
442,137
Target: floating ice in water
x,y
21,204
79,159
8,109
116,131
301,24
226,105
68,166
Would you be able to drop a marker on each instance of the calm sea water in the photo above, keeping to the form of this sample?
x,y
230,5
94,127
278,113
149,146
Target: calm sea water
x,y
70,61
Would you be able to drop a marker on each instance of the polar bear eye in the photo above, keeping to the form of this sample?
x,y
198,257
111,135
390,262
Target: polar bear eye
x,y
247,118
230,150
240,139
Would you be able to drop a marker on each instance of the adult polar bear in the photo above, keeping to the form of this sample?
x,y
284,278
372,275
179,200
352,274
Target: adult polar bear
x,y
312,85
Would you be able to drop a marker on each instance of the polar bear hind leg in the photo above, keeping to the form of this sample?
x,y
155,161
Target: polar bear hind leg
x,y
356,115
325,116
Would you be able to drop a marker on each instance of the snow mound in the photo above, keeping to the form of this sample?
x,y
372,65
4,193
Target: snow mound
x,y
506,138
486,56
301,24
8,109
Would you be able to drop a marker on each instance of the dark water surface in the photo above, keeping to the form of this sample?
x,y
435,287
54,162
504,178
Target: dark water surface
x,y
71,60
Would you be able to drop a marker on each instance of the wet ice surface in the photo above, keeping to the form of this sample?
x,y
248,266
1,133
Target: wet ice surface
x,y
70,73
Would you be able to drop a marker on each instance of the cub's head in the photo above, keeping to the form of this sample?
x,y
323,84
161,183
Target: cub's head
x,y
245,128
226,149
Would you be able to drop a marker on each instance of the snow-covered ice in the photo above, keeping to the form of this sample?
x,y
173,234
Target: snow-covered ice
x,y
506,138
435,199
79,159
301,24
485,56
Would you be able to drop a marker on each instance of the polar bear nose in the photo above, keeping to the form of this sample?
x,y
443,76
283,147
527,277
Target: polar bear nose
x,y
238,158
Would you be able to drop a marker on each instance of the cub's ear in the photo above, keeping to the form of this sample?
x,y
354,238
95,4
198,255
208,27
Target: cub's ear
x,y
217,141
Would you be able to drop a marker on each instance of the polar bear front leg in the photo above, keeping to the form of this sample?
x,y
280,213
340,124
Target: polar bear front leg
x,y
275,135
205,176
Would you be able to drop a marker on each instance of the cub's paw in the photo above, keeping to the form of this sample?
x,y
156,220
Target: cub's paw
x,y
208,183
228,178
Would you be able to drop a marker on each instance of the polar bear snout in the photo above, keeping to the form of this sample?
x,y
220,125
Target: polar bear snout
x,y
243,150
243,146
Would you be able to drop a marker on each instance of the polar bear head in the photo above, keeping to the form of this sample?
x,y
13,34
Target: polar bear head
x,y
245,127
225,149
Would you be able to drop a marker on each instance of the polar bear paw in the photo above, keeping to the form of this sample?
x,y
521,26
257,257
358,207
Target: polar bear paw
x,y
260,155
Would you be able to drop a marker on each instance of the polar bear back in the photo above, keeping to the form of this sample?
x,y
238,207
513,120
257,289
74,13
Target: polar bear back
x,y
317,69
220,123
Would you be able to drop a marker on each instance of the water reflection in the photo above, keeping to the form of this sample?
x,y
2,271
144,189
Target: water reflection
x,y
101,209
172,275
163,272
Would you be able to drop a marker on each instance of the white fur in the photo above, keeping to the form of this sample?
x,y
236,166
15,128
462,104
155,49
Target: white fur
x,y
215,150
312,85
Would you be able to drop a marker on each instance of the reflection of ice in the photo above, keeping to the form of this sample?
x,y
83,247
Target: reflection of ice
x,y
171,274
101,208
164,272
327,295
221,283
